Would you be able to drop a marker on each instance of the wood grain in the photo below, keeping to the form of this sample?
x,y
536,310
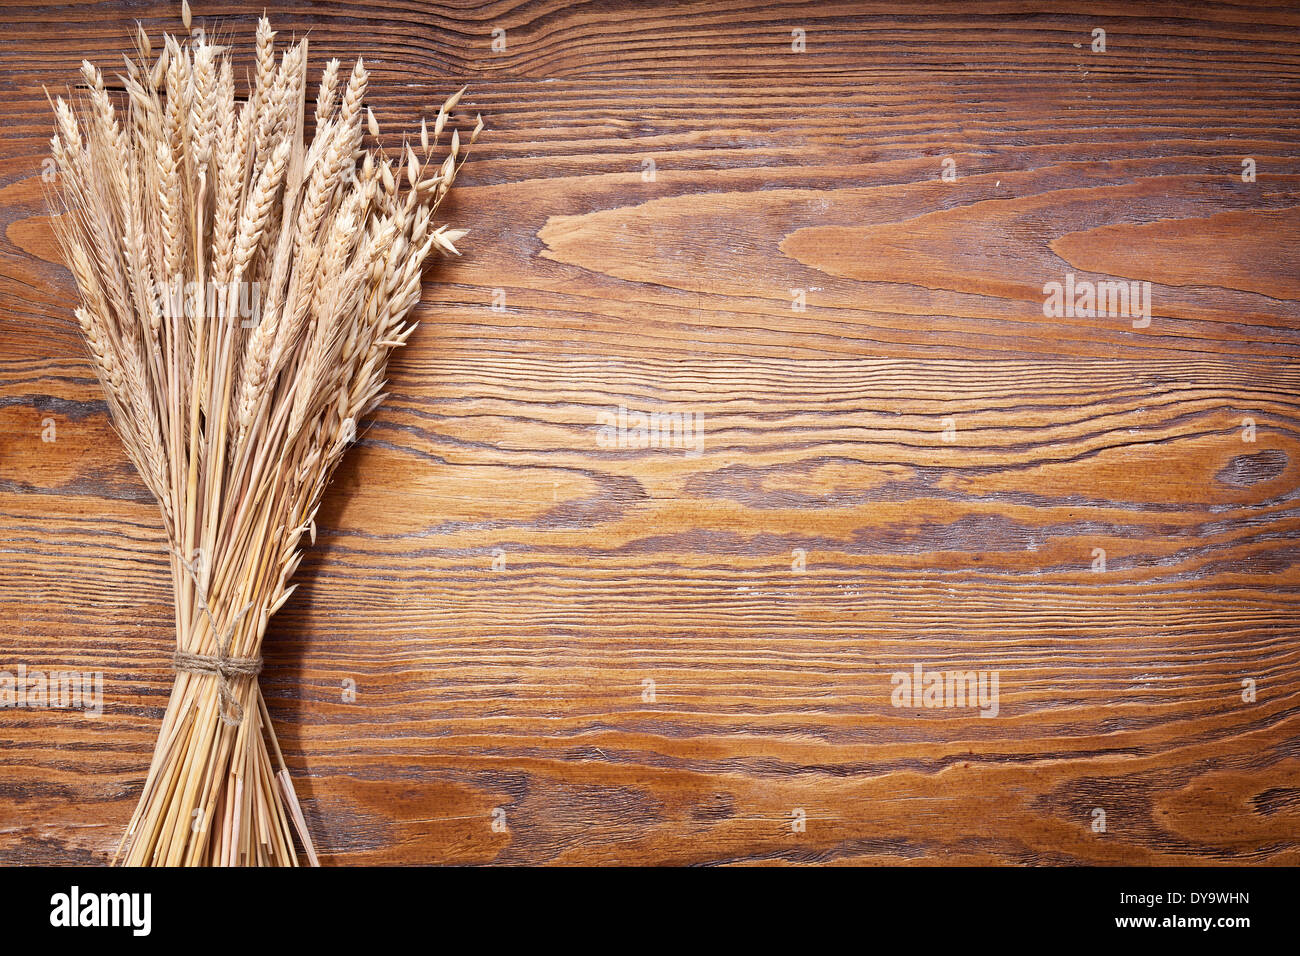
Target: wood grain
x,y
917,468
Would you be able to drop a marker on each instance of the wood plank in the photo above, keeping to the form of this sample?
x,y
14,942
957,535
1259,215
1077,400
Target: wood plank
x,y
917,468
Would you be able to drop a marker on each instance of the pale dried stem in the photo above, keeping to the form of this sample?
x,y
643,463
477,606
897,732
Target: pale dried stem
x,y
235,422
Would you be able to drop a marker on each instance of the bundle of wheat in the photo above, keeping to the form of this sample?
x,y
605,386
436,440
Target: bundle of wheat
x,y
241,290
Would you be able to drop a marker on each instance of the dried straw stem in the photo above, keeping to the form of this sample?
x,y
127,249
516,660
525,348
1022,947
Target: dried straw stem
x,y
241,291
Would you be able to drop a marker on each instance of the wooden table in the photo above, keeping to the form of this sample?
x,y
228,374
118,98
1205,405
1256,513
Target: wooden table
x,y
822,234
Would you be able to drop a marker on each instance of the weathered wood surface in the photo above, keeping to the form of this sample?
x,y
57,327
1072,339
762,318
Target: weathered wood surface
x,y
501,586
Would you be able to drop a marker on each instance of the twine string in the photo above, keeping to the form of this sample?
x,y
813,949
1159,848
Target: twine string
x,y
223,667
219,665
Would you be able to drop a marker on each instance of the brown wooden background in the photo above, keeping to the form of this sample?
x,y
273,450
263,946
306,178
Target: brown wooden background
x,y
521,688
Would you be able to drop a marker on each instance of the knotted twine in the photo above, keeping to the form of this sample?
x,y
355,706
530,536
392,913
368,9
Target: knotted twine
x,y
223,667
219,665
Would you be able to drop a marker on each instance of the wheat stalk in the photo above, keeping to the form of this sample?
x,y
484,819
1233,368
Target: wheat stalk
x,y
176,218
